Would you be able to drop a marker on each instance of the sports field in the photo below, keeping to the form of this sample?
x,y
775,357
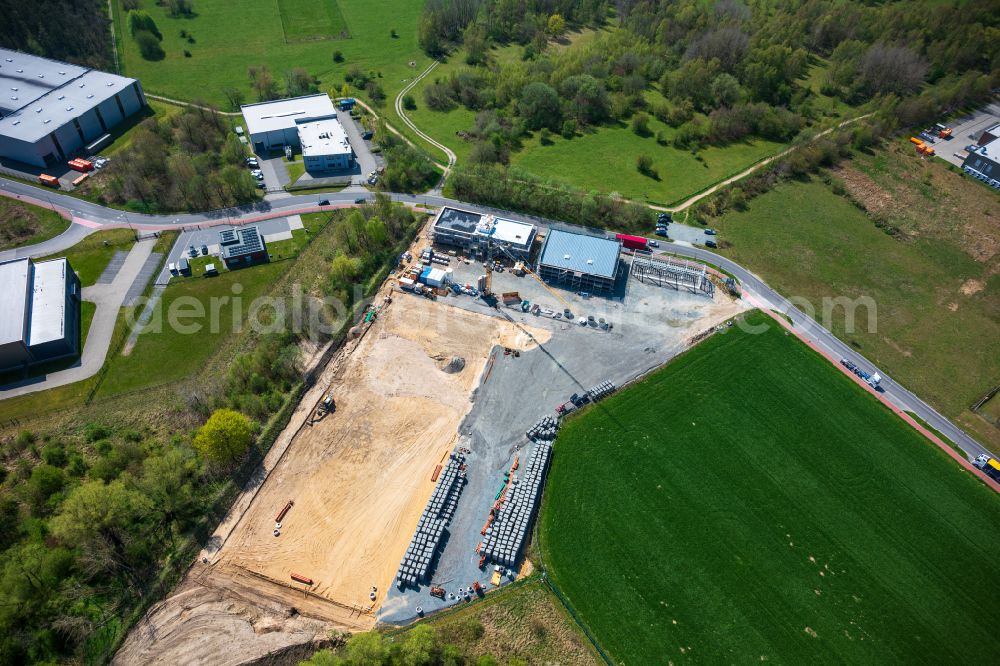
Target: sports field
x,y
308,20
749,502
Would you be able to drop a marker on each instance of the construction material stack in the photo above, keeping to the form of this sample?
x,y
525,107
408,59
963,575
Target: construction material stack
x,y
415,567
545,430
505,537
601,391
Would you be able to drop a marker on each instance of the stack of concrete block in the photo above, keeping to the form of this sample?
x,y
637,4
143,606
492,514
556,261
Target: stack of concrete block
x,y
507,534
544,430
602,390
416,564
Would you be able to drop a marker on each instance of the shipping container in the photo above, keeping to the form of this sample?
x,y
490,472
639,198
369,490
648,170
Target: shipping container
x,y
425,273
436,278
632,242
406,284
81,165
48,181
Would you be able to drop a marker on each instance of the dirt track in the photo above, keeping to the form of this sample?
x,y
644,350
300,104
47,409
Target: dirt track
x,y
359,479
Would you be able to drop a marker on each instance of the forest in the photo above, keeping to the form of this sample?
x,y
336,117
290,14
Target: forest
x,y
188,160
76,31
714,73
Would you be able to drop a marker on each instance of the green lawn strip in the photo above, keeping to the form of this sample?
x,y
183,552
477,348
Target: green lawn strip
x,y
295,170
24,224
229,37
811,244
166,351
750,502
91,256
931,429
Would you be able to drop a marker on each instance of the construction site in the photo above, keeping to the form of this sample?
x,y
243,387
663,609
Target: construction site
x,y
410,476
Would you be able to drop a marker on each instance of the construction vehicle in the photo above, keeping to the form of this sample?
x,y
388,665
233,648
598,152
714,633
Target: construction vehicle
x,y
437,592
943,131
328,405
477,588
872,379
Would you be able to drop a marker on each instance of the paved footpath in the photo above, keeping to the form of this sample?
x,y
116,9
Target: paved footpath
x,y
109,299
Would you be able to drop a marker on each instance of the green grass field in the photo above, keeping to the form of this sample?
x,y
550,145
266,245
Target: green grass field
x,y
90,256
309,20
605,160
749,502
930,335
180,351
22,224
231,36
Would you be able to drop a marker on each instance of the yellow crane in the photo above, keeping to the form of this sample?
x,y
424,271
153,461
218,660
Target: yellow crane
x,y
489,272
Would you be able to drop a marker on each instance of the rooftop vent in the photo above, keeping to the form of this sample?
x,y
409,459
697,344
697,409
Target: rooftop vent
x,y
10,60
14,88
111,83
47,121
17,122
90,95
63,73
69,108
62,97
20,71
566,256
14,97
41,76
81,85
590,262
38,110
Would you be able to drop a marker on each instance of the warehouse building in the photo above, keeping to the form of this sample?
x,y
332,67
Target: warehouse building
x,y
309,123
39,312
471,231
582,263
242,247
984,163
51,110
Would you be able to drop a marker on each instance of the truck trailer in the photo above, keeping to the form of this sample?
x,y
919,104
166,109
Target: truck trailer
x,y
632,242
989,465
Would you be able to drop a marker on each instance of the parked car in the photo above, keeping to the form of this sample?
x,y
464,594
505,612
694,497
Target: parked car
x,y
193,252
653,243
251,161
710,232
173,268
710,243
259,176
665,217
204,249
261,185
256,172
661,232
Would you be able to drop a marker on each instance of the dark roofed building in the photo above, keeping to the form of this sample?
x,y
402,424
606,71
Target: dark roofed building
x,y
242,247
984,163
585,263
39,312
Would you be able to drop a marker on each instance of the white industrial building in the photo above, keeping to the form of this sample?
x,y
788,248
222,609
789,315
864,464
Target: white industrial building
x,y
39,312
471,231
50,110
308,122
983,161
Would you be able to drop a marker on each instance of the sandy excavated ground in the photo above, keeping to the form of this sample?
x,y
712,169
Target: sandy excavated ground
x,y
359,478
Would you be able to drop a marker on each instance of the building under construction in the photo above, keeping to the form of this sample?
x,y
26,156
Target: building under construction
x,y
581,263
675,273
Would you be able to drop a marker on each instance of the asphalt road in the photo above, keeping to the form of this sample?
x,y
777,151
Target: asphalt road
x,y
92,216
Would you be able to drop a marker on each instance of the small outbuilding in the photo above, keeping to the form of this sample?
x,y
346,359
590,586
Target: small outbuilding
x,y
242,247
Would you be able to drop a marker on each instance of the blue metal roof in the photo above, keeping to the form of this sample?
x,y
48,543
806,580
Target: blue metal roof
x,y
582,254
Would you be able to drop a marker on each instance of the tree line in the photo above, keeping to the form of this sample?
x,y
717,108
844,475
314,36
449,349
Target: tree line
x,y
190,160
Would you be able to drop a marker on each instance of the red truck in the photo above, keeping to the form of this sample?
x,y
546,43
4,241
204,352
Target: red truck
x,y
632,242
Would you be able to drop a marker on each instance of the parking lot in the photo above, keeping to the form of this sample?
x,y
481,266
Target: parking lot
x,y
966,131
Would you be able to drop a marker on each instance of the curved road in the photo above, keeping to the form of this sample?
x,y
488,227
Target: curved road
x,y
409,123
88,217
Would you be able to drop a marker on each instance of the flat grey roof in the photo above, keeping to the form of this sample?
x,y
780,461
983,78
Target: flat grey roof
x,y
458,220
38,95
48,302
14,276
284,113
323,136
582,254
